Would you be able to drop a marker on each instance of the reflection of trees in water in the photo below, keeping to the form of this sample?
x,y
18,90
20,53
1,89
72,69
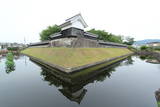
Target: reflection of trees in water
x,y
76,92
52,80
10,68
150,59
107,73
129,61
144,57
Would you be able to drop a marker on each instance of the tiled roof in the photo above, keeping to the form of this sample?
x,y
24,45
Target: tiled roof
x,y
112,44
39,43
56,35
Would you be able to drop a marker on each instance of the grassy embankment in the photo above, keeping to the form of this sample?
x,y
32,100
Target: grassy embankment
x,y
158,103
157,51
74,57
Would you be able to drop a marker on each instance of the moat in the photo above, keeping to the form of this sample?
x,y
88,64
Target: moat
x,y
130,83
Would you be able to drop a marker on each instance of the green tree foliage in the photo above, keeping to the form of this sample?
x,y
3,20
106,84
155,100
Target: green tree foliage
x,y
10,56
129,41
103,35
144,48
13,48
132,48
44,35
10,66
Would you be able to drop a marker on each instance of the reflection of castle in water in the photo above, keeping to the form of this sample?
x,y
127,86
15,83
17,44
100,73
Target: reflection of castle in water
x,y
72,92
72,85
157,95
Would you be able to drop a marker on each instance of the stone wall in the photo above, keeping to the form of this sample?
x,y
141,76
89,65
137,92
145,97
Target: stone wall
x,y
81,42
77,42
74,42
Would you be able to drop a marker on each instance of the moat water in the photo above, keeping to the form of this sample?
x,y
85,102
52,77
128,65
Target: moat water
x,y
130,83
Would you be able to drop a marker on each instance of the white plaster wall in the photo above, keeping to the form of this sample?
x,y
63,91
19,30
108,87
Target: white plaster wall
x,y
69,26
76,24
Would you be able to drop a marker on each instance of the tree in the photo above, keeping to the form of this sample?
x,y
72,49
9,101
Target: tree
x,y
103,35
117,39
44,35
144,48
129,41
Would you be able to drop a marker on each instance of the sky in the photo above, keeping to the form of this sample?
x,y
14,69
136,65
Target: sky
x,y
21,19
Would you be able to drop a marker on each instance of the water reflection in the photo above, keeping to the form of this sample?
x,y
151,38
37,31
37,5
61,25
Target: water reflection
x,y
9,63
72,85
129,61
157,95
149,59
122,86
74,92
10,68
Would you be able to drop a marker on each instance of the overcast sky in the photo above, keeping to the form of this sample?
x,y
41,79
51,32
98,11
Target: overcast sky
x,y
27,18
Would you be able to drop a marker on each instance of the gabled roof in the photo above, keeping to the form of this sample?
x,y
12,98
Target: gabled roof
x,y
74,18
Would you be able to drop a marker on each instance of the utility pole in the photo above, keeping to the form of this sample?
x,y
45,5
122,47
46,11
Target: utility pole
x,y
24,40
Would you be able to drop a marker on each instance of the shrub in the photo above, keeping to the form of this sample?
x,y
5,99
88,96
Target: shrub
x,y
10,66
144,47
13,48
10,56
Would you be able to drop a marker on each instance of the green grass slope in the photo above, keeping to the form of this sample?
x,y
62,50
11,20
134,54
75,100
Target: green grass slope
x,y
157,51
74,57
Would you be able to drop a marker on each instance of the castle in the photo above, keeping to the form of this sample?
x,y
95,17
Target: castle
x,y
72,34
